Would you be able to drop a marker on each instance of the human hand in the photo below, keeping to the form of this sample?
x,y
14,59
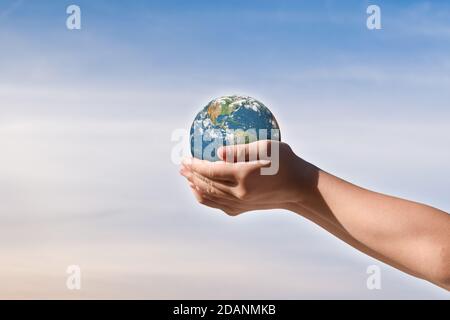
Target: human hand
x,y
236,184
384,231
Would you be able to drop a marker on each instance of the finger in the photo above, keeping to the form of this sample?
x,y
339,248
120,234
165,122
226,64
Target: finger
x,y
206,185
185,172
197,194
212,191
213,204
227,200
213,170
209,186
246,152
239,205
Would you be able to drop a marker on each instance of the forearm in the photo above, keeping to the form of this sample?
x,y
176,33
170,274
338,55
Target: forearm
x,y
410,236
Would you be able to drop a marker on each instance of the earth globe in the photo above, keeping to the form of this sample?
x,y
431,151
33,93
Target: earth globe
x,y
231,120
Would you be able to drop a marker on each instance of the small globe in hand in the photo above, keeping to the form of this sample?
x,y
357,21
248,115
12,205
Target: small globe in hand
x,y
231,120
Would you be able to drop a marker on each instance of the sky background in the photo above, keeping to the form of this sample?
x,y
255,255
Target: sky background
x,y
86,118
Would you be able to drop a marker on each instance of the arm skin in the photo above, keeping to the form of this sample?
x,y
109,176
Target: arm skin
x,y
409,236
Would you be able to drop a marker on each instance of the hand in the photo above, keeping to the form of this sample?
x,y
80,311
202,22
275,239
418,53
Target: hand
x,y
410,236
237,187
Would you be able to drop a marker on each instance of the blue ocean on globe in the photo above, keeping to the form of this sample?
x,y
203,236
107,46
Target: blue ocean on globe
x,y
231,120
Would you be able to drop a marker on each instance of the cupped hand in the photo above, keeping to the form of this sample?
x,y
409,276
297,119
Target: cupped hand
x,y
261,175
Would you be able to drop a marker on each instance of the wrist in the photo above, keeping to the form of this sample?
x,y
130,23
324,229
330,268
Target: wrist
x,y
309,181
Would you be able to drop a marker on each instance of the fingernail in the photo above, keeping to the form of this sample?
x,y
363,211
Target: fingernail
x,y
185,172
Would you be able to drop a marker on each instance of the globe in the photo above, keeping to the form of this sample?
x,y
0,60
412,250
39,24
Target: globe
x,y
231,120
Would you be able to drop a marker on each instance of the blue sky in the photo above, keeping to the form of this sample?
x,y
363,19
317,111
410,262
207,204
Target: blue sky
x,y
317,49
86,118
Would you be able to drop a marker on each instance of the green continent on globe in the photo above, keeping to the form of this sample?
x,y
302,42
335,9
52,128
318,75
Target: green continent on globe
x,y
231,120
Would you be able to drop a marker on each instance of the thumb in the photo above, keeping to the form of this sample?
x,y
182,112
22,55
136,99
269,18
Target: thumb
x,y
239,152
